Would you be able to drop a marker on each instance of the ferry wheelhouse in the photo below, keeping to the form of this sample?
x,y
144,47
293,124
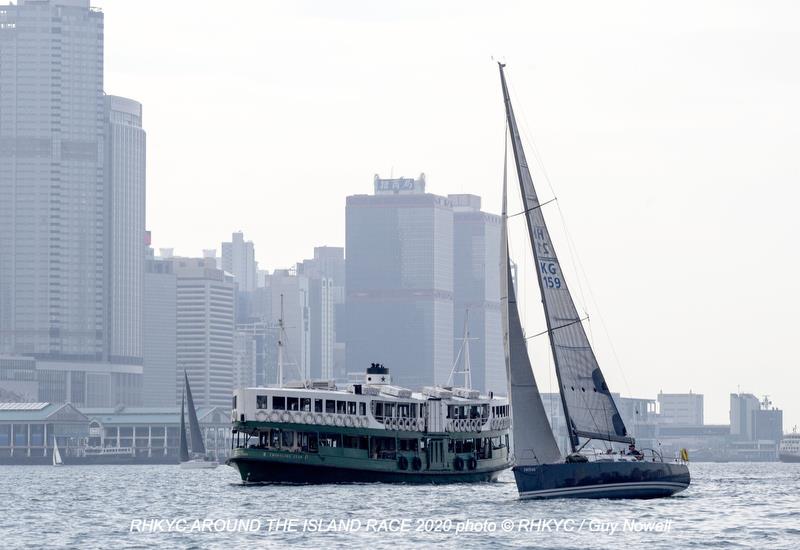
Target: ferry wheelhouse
x,y
790,447
314,432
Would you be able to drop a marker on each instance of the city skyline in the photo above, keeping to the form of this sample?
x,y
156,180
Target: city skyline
x,y
678,153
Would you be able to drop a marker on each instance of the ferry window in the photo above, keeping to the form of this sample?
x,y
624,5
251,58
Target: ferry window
x,y
350,442
330,440
362,409
485,411
305,404
292,404
288,438
378,409
408,444
388,409
473,412
312,443
341,407
330,406
402,410
383,447
275,438
413,410
318,405
351,407
279,403
261,402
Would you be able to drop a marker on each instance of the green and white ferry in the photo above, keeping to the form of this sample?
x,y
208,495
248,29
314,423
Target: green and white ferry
x,y
314,432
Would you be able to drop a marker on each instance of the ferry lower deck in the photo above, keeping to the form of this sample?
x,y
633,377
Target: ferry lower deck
x,y
296,453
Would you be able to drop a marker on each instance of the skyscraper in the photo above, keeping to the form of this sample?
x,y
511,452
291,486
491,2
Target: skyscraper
x,y
325,273
205,325
159,334
52,188
399,272
238,259
476,295
125,176
61,300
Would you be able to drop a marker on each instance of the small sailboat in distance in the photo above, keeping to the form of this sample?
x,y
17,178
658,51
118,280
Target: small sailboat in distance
x,y
540,470
56,454
197,459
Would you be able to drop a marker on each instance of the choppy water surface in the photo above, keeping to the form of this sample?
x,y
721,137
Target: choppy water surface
x,y
728,505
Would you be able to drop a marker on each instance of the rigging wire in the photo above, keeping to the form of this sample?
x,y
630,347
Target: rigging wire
x,y
578,267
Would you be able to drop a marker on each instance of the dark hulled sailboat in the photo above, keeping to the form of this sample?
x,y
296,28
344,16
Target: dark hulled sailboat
x,y
540,469
197,459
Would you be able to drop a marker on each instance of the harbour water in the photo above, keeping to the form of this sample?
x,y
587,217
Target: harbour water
x,y
728,505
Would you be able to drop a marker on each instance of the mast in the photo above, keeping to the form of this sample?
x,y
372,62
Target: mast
x,y
520,162
466,371
184,450
589,407
280,346
194,426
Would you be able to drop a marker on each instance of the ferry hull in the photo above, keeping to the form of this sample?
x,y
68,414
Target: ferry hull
x,y
601,480
786,457
261,471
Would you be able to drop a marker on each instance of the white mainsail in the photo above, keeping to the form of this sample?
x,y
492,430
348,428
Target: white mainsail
x,y
56,454
534,442
589,407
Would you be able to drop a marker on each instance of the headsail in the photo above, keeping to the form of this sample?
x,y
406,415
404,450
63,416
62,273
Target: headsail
x,y
184,451
533,437
588,405
194,426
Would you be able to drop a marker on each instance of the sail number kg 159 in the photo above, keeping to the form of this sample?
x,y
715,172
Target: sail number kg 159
x,y
550,274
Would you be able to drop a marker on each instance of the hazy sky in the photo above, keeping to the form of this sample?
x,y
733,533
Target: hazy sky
x,y
669,132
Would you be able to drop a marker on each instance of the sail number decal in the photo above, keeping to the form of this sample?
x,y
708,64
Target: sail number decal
x,y
548,268
550,275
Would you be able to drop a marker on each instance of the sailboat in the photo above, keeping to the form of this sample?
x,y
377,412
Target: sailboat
x,y
197,459
56,454
540,469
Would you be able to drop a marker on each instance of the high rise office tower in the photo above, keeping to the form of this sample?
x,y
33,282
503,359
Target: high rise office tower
x,y
52,189
159,334
125,177
325,273
205,325
239,259
57,216
399,303
476,291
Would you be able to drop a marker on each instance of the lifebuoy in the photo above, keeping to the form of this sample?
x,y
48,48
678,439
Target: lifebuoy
x,y
472,463
318,418
416,463
402,463
285,417
364,422
297,417
458,463
308,418
349,421
261,416
274,416
339,421
329,419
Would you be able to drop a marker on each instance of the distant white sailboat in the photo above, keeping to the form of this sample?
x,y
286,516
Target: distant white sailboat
x,y
56,454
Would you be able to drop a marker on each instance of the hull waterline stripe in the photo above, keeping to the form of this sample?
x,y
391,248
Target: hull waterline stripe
x,y
612,487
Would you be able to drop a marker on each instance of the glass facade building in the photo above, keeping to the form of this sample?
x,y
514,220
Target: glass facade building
x,y
399,273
